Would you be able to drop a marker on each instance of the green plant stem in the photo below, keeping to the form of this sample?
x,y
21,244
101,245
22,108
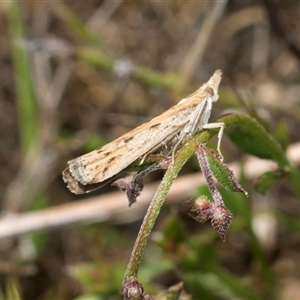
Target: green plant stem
x,y
77,26
154,208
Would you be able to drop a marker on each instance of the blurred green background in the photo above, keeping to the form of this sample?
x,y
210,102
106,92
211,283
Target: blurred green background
x,y
77,74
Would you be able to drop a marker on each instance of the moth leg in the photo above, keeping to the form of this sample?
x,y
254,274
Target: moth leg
x,y
175,148
143,159
221,127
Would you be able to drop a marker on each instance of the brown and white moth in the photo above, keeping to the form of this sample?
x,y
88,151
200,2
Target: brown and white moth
x,y
178,124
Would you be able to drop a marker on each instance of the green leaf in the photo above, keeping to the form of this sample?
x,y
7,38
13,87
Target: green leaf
x,y
251,137
222,173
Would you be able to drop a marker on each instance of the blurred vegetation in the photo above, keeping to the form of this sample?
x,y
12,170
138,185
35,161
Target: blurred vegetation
x,y
77,74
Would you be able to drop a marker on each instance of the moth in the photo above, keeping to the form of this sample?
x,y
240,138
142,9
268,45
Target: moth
x,y
173,127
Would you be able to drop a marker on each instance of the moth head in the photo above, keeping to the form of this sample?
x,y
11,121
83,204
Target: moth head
x,y
212,85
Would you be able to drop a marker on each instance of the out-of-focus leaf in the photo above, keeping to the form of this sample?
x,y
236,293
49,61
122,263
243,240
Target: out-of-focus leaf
x,y
171,235
268,179
282,133
11,291
27,106
175,292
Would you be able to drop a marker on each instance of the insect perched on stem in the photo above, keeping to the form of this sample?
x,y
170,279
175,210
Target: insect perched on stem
x,y
172,128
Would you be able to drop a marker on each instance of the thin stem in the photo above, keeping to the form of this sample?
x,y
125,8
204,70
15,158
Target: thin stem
x,y
154,208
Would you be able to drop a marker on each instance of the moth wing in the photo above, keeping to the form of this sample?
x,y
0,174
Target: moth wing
x,y
107,161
